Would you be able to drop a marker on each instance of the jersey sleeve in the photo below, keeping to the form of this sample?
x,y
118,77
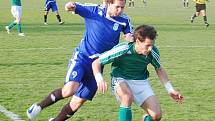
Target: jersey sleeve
x,y
117,51
85,10
129,27
155,58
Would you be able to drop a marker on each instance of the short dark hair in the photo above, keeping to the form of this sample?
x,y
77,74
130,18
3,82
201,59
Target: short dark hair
x,y
112,1
145,31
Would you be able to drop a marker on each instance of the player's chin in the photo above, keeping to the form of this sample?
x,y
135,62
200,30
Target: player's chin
x,y
117,14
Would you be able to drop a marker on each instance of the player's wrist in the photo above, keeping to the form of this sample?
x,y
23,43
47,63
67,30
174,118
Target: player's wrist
x,y
99,77
169,87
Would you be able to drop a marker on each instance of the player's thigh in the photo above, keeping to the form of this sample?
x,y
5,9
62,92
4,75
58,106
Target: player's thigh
x,y
80,71
76,69
198,8
17,12
88,87
47,7
124,92
74,76
70,88
203,12
151,106
121,90
54,7
141,90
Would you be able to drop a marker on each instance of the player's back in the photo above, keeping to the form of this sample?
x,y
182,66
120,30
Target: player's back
x,y
102,32
200,1
15,2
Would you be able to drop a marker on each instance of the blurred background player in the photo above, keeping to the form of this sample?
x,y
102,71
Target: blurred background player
x,y
145,2
131,3
185,3
51,4
16,10
129,75
200,9
103,26
104,2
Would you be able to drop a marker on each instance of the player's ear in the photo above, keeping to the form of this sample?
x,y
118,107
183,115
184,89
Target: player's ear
x,y
137,41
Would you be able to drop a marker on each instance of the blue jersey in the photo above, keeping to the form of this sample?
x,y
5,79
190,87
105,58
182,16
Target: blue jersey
x,y
102,31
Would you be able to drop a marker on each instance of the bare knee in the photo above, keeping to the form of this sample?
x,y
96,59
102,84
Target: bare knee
x,y
76,103
156,116
126,99
69,89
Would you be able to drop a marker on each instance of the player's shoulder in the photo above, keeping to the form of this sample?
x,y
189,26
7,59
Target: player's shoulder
x,y
124,15
116,51
155,50
87,4
124,45
102,6
121,47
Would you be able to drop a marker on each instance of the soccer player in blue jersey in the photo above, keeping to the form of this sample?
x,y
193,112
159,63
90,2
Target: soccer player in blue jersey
x,y
130,75
51,4
103,24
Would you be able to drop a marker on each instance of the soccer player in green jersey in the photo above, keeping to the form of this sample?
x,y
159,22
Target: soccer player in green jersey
x,y
16,10
200,9
130,75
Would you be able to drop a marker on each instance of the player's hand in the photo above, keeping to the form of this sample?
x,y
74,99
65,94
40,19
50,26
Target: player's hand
x,y
70,6
129,37
176,96
102,86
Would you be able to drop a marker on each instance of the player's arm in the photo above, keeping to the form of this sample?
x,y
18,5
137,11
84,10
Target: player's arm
x,y
101,83
167,83
129,37
106,58
128,31
70,6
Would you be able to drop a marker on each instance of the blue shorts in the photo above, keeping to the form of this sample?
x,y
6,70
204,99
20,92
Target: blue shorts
x,y
80,70
51,5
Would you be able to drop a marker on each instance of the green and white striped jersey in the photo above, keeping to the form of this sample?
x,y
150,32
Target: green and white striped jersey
x,y
15,2
127,64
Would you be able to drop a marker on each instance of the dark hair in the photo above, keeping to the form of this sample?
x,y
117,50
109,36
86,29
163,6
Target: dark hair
x,y
112,1
145,31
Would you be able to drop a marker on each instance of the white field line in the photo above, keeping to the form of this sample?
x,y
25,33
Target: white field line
x,y
168,46
9,114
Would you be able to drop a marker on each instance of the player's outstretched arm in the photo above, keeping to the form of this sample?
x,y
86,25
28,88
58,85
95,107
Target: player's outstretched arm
x,y
70,6
165,81
101,83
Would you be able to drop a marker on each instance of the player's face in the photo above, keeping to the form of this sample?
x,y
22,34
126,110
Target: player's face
x,y
116,8
144,47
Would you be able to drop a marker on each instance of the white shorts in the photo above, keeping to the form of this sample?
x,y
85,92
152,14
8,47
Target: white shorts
x,y
16,11
141,89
